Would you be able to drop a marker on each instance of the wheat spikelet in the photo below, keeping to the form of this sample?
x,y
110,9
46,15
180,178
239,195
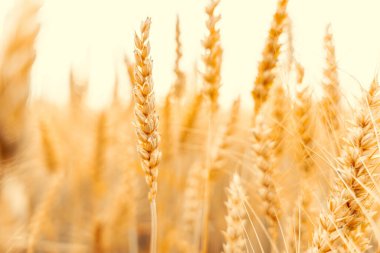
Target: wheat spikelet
x,y
234,234
212,58
345,216
262,148
266,75
17,57
146,119
332,95
179,85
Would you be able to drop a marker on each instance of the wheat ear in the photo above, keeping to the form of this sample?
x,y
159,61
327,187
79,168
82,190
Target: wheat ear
x,y
330,84
305,124
235,232
146,121
266,75
212,60
179,85
344,224
16,59
290,44
212,57
262,148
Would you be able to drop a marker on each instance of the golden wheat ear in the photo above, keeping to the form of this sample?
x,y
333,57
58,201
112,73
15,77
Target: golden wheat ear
x,y
146,122
344,225
265,76
179,86
212,57
330,85
17,58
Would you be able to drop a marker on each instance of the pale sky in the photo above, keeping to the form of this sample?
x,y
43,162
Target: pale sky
x,y
93,35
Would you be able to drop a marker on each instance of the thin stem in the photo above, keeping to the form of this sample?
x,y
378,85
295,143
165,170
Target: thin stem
x,y
153,227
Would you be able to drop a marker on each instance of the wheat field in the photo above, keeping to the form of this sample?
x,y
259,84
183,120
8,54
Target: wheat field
x,y
295,173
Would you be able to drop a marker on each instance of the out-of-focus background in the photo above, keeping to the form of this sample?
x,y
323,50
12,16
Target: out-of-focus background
x,y
94,35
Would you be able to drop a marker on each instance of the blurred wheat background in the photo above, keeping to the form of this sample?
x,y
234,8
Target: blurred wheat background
x,y
189,126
